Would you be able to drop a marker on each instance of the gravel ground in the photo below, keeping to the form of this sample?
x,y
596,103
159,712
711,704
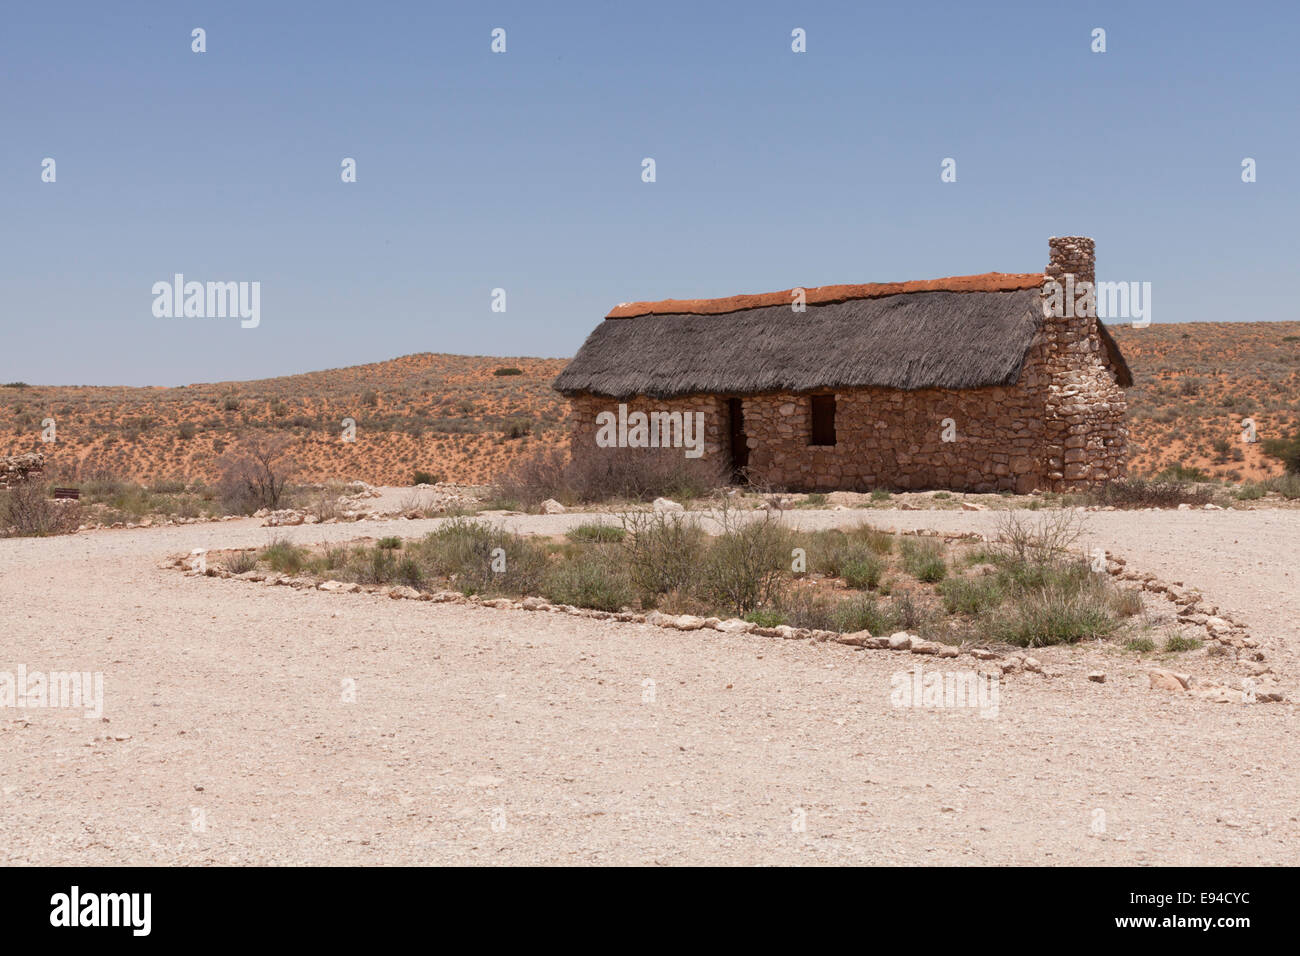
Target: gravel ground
x,y
490,736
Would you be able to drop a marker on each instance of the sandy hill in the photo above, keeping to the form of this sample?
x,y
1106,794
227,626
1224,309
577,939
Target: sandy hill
x,y
463,418
460,418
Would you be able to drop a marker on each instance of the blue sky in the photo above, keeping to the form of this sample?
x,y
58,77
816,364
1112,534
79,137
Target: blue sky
x,y
522,170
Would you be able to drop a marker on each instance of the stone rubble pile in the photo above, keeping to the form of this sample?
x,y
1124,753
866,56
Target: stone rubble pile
x,y
24,467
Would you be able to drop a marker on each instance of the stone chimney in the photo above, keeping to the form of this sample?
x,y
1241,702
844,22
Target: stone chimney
x,y
1072,254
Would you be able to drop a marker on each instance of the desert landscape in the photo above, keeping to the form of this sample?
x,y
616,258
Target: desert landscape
x,y
1106,630
464,419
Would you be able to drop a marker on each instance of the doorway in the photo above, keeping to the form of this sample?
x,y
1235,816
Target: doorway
x,y
737,441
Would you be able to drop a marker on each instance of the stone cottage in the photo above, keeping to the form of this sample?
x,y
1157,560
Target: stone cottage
x,y
973,383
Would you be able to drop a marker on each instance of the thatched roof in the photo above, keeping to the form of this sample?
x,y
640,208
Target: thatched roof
x,y
930,338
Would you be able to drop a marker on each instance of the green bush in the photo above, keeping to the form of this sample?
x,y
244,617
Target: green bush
x,y
1177,643
664,551
594,577
971,596
863,573
508,370
1287,450
284,556
595,533
468,550
389,544
924,560
745,564
1051,616
861,613
410,573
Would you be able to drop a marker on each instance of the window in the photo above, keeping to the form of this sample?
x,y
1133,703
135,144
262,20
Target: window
x,y
823,420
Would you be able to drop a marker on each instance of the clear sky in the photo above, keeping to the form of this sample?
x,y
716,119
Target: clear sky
x,y
523,170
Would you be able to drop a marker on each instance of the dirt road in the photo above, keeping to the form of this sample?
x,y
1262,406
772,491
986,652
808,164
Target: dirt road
x,y
488,736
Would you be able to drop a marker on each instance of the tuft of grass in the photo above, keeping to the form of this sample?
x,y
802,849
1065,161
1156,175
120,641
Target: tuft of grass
x,y
1141,644
593,577
924,560
592,532
240,562
1051,615
765,617
972,596
284,556
390,543
863,573
1177,643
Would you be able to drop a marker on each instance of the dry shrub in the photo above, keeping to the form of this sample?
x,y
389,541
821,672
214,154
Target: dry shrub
x,y
26,511
615,474
256,474
1148,493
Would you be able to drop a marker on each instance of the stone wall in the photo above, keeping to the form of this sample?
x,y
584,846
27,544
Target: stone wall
x,y
714,465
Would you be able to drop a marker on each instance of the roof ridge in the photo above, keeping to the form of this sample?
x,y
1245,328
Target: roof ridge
x,y
827,294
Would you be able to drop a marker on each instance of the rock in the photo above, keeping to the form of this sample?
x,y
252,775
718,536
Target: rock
x,y
1211,507
1184,507
1097,677
1033,664
552,507
688,622
410,594
662,505
947,650
972,506
534,604
733,626
1162,679
878,643
856,639
925,647
982,654
659,619
900,641
348,587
